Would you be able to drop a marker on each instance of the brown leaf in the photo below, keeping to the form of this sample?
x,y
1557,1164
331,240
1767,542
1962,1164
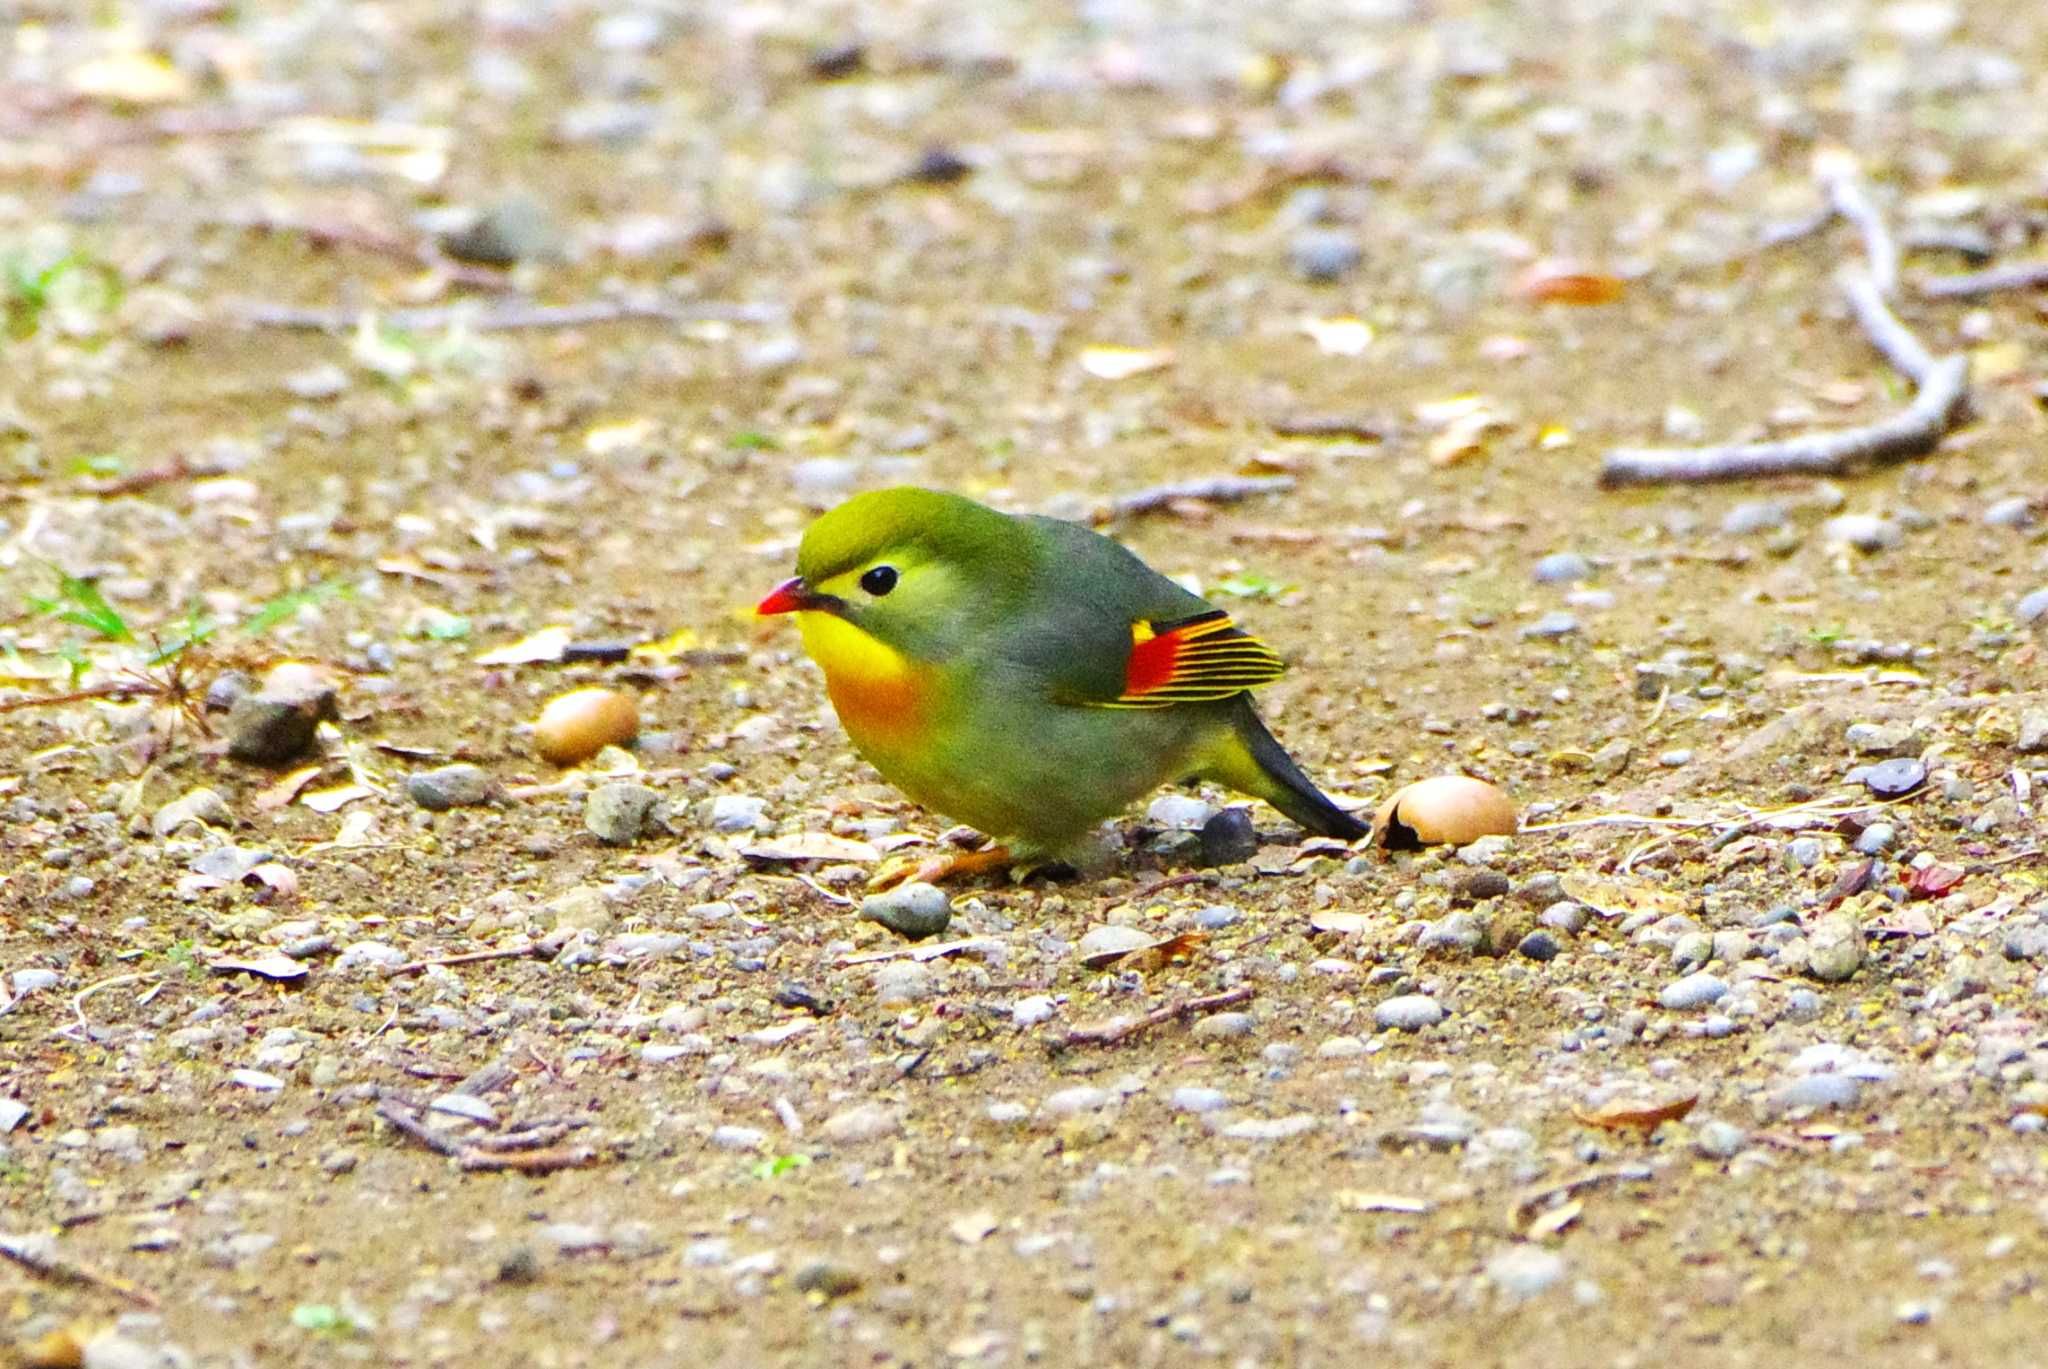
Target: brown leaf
x,y
1934,880
1563,283
1624,1116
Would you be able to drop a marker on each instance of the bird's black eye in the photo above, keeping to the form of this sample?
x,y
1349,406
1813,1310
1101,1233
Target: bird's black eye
x,y
879,580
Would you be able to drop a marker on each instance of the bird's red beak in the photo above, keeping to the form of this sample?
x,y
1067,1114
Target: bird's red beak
x,y
791,596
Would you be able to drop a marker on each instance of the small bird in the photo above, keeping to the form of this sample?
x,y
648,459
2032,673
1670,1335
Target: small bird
x,y
1027,676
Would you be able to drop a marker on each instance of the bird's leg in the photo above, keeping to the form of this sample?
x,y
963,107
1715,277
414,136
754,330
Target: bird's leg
x,y
937,869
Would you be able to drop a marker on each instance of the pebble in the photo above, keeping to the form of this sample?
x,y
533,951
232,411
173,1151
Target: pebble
x,y
1876,838
112,1350
905,981
1525,1271
862,1122
1693,991
2033,731
451,786
826,1279
915,910
1754,516
1217,916
1323,254
1481,885
1562,567
2032,608
738,1138
1228,838
1007,1114
1029,1012
1817,1091
198,807
1195,1099
1865,532
266,730
1565,916
1179,812
1271,1128
1408,1012
1718,1140
1803,853
1456,932
734,813
1225,1025
1550,626
256,1080
506,232
1538,945
2015,512
1895,778
1077,1100
618,813
1835,949
30,981
1692,949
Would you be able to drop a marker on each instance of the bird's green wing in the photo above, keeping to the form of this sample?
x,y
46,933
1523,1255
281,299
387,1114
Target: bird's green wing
x,y
1108,631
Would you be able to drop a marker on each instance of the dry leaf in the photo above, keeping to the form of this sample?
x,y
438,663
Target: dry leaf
x,y
285,790
1614,898
1623,1116
329,800
1556,1219
810,846
1330,920
1565,283
544,645
1121,363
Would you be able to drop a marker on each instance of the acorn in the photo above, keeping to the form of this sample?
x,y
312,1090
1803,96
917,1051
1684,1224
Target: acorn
x,y
575,726
1444,810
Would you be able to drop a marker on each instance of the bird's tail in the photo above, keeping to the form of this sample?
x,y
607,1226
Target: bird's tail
x,y
1254,763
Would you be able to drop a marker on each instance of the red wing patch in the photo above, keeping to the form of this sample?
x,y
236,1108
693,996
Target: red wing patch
x,y
1208,657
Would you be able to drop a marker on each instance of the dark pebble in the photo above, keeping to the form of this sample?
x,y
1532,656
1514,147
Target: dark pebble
x,y
790,994
1538,945
1481,885
520,1265
226,690
1896,777
266,731
1323,254
839,61
1228,838
939,166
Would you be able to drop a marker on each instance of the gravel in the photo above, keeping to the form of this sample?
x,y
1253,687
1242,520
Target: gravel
x,y
915,910
452,786
1694,991
1408,1012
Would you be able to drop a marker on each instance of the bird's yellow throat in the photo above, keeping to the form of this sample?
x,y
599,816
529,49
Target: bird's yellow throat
x,y
875,688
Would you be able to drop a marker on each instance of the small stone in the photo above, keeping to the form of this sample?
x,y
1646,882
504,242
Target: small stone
x,y
451,786
1562,567
619,812
2015,512
1179,812
263,730
826,1279
1803,853
1029,1012
199,807
1895,778
1538,945
1525,1271
1075,1101
1226,1025
1457,932
112,1350
1271,1128
738,1138
1865,532
513,229
31,981
1758,515
1217,916
905,981
915,910
1732,946
1876,839
1692,949
1565,916
339,1162
1229,838
1834,949
1482,885
1717,1140
2032,608
1693,991
1323,254
1192,1098
256,1080
2026,943
1817,1091
861,1122
734,813
2033,731
1550,627
1408,1012
1007,1114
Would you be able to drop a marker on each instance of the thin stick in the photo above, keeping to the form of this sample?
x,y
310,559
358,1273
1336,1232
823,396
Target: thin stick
x,y
78,999
1120,1031
1534,1198
496,318
538,1138
411,1127
116,689
526,1162
1328,425
1940,384
169,472
466,958
2018,275
1160,886
1222,489
50,1265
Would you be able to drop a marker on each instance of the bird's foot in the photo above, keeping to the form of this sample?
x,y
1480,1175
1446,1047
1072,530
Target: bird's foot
x,y
938,869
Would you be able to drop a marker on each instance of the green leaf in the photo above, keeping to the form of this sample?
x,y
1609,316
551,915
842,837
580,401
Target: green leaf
x,y
321,1318
289,605
780,1165
80,603
1251,585
751,441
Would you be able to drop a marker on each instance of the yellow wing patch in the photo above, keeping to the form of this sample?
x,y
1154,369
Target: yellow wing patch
x,y
1193,661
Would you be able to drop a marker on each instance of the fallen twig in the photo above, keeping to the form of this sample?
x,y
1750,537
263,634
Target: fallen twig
x,y
496,318
169,472
1328,425
414,1129
466,958
41,1257
1160,886
526,1162
1120,1031
1222,489
116,689
1837,176
1531,1199
2018,275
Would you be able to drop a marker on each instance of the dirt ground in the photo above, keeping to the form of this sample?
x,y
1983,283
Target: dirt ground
x,y
1736,1056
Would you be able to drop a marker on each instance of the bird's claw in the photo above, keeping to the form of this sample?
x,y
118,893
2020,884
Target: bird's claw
x,y
938,869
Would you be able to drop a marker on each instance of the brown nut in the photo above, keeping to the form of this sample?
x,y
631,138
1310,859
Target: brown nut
x,y
1443,810
576,726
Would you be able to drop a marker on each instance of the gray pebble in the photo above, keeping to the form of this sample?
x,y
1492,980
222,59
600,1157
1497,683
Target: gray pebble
x,y
826,1279
1691,950
1271,1128
2032,608
1079,1099
862,1122
733,813
1408,1012
1693,991
1865,532
1191,1098
31,981
1007,1114
271,731
1550,626
1817,1091
1217,916
905,981
2029,942
513,229
1803,853
1456,932
1718,1140
1757,515
738,1138
1895,778
1564,916
1323,254
1732,947
451,786
198,807
2033,738
2016,512
1538,945
1525,1271
619,812
1226,1025
1562,567
915,910
1876,838
1804,1005
1179,812
1835,949
1228,838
